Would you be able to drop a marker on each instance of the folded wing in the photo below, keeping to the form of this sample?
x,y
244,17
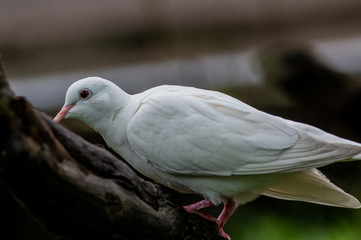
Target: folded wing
x,y
192,131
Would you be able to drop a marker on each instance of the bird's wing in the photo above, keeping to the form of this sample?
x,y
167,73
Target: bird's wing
x,y
193,131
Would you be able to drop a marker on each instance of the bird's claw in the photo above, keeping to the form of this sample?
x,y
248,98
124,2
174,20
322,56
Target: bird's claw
x,y
225,235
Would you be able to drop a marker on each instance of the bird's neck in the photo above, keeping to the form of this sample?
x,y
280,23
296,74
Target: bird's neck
x,y
113,123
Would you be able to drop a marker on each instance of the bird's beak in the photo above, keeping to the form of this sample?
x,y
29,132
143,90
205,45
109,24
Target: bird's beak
x,y
63,112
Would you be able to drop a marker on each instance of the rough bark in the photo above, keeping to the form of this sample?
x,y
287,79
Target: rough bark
x,y
78,190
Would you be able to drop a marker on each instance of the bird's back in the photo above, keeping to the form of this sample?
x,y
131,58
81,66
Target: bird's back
x,y
186,130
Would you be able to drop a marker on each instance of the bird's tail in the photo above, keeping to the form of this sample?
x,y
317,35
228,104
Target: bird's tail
x,y
311,186
355,158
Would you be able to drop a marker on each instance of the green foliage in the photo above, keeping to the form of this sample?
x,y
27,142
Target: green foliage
x,y
299,223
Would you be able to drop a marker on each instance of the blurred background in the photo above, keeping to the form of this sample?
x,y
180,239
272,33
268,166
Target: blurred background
x,y
297,59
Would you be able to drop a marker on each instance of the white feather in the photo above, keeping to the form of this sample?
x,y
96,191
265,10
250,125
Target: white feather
x,y
209,143
192,131
311,186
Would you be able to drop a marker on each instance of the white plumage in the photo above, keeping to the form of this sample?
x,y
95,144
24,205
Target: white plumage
x,y
209,143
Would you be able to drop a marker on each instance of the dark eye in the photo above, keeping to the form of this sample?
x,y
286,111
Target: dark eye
x,y
84,94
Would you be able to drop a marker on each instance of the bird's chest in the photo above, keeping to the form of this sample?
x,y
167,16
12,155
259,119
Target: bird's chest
x,y
145,167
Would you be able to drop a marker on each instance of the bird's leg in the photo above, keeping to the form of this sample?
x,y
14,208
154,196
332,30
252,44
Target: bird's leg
x,y
229,208
195,207
199,205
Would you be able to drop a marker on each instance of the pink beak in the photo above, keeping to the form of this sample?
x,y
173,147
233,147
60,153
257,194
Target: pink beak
x,y
62,114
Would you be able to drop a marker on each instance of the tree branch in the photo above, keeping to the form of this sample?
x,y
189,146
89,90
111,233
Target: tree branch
x,y
78,190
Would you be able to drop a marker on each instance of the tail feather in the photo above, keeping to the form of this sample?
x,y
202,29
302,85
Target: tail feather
x,y
311,186
355,158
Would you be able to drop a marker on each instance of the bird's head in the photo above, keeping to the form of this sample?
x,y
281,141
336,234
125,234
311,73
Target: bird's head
x,y
91,99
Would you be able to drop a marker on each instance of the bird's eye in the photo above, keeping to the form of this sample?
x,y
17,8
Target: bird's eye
x,y
84,94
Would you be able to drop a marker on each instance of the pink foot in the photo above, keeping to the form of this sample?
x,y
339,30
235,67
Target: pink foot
x,y
206,216
195,207
229,208
225,235
199,205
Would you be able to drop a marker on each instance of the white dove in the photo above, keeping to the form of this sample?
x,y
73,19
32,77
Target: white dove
x,y
206,142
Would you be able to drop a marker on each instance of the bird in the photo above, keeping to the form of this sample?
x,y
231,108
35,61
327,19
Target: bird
x,y
209,143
